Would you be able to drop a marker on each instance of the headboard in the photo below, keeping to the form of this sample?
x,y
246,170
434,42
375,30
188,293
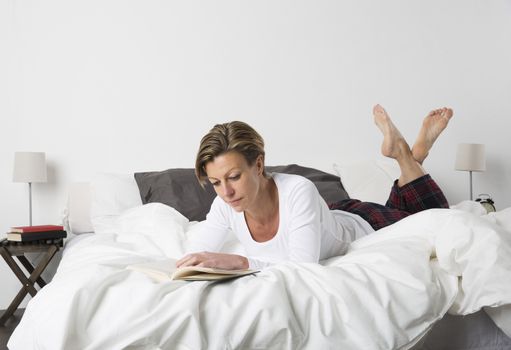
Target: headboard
x,y
77,219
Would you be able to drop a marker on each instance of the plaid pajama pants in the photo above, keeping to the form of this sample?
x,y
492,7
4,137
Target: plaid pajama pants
x,y
420,194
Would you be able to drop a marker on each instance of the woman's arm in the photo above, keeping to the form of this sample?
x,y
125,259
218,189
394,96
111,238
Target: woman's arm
x,y
304,226
207,238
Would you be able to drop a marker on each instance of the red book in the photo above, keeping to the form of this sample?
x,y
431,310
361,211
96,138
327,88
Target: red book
x,y
37,228
35,236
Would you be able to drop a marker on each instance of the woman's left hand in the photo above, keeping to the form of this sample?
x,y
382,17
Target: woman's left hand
x,y
216,260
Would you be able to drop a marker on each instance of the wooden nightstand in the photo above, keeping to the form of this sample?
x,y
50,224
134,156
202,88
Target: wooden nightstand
x,y
9,249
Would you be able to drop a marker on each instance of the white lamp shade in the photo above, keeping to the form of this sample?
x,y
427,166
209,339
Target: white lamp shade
x,y
29,167
471,157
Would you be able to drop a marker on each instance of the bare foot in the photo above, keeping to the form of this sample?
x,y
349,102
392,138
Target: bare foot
x,y
434,123
394,144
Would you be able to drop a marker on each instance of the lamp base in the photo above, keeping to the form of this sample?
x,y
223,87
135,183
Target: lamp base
x,y
30,203
471,192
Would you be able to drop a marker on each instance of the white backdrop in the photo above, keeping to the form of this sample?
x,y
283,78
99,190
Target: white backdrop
x,y
126,86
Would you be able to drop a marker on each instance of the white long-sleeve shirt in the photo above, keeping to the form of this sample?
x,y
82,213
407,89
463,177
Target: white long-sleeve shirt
x,y
308,230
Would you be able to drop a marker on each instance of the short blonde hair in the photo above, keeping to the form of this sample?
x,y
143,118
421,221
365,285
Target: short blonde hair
x,y
227,137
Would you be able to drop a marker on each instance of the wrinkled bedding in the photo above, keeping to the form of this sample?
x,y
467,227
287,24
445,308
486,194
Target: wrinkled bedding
x,y
385,293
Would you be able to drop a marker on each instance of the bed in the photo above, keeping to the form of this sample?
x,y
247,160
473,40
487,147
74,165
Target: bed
x,y
404,287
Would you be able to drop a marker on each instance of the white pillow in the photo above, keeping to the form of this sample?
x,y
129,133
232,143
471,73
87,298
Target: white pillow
x,y
112,194
368,180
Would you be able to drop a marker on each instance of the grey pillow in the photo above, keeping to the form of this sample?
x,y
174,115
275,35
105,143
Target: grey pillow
x,y
180,189
329,186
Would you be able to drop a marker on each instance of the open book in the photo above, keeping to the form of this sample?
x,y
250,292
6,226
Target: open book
x,y
165,270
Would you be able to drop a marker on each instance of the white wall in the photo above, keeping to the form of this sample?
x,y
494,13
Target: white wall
x,y
128,86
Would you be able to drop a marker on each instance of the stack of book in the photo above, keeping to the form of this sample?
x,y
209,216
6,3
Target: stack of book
x,y
36,233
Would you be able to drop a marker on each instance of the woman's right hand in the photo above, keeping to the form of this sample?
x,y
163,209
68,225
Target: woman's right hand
x,y
214,260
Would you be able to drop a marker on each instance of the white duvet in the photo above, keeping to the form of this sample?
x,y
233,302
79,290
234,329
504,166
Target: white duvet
x,y
385,293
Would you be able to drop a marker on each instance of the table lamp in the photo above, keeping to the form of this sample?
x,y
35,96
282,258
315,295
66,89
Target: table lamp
x,y
470,157
29,167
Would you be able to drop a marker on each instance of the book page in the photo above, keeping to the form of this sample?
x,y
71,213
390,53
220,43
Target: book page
x,y
160,270
201,276
165,270
188,271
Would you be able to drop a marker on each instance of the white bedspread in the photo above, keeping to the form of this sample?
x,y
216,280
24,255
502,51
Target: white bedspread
x,y
384,294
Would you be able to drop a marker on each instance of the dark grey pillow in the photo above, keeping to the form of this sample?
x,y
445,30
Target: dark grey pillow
x,y
180,189
329,186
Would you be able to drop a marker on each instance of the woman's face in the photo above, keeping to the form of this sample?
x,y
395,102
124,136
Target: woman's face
x,y
236,182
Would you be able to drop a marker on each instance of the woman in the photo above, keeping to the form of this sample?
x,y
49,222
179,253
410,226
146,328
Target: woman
x,y
282,217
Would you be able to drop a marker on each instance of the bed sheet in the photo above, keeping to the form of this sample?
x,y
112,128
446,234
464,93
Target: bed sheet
x,y
386,293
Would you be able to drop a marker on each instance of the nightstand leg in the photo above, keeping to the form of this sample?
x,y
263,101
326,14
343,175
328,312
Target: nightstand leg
x,y
35,275
18,272
24,261
28,283
13,306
